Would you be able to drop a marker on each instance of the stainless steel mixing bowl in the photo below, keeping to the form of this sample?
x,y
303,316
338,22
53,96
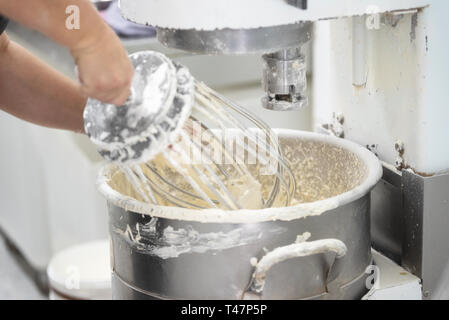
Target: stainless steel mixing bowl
x,y
318,248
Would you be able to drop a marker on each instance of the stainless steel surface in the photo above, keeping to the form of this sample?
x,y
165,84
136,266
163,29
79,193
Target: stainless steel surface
x,y
410,222
236,41
426,214
285,80
226,274
387,215
284,75
298,250
142,271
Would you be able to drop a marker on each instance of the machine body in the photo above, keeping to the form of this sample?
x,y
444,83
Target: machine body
x,y
379,75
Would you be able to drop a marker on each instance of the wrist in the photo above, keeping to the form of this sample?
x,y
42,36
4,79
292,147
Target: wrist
x,y
91,40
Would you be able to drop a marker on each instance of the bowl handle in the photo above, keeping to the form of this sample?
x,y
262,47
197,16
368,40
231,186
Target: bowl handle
x,y
297,250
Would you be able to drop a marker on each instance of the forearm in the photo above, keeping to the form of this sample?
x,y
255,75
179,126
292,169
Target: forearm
x,y
32,91
49,17
105,71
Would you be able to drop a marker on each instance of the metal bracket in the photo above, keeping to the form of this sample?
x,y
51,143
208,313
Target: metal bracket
x,y
409,221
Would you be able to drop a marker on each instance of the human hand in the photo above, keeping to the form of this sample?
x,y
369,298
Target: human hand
x,y
104,69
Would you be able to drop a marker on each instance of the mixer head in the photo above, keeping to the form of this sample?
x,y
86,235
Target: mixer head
x,y
276,29
161,101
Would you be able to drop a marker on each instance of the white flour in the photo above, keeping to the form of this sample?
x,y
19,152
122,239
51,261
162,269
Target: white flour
x,y
174,242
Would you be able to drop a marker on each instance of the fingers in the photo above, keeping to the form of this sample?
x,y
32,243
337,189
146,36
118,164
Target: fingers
x,y
105,71
120,100
112,93
107,87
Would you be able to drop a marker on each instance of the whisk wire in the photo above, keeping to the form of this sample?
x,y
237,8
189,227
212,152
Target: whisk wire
x,y
178,142
213,99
